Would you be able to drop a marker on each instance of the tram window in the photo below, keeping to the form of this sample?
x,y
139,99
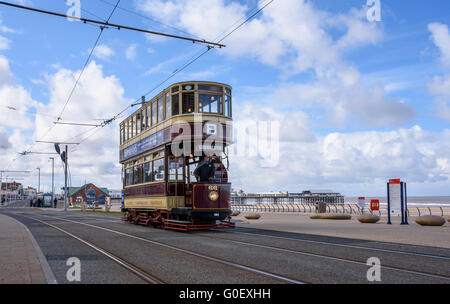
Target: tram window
x,y
188,103
228,91
168,106
137,175
126,130
149,116
132,126
148,173
175,89
175,104
154,113
138,123
175,169
129,177
158,169
227,105
188,87
210,88
121,134
161,109
210,103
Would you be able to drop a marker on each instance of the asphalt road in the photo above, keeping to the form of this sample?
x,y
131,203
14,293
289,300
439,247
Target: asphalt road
x,y
111,251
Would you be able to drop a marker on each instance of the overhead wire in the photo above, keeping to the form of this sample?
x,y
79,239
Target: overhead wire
x,y
187,64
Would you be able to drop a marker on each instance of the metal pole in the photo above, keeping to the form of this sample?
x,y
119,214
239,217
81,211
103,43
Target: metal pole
x,y
65,180
1,188
53,179
39,180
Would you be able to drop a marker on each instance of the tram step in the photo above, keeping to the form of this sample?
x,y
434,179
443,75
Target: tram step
x,y
177,222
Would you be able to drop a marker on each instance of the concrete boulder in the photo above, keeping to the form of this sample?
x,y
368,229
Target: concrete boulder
x,y
235,213
254,216
369,219
430,220
330,216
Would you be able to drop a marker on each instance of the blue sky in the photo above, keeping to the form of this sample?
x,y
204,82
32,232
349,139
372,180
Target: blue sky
x,y
351,92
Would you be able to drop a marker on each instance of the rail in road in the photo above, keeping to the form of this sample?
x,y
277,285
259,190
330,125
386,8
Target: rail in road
x,y
243,255
341,208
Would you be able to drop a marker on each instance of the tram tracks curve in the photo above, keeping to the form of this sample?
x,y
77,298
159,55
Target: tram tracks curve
x,y
280,249
143,273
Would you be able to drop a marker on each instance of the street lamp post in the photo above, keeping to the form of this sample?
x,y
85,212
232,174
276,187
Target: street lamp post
x,y
39,180
53,179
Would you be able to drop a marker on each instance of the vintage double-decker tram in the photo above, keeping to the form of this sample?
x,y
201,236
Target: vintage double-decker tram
x,y
173,152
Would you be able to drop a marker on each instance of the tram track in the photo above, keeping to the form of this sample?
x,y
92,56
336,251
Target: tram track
x,y
386,266
142,272
127,265
353,261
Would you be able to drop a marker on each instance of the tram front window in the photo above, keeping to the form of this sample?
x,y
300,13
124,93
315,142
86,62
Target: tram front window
x,y
208,103
188,103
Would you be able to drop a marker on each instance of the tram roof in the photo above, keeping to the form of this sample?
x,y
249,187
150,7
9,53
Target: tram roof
x,y
179,83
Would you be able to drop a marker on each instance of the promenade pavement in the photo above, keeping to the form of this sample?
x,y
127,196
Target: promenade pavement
x,y
412,234
21,261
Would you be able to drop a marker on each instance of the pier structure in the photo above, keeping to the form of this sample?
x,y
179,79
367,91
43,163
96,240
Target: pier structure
x,y
306,197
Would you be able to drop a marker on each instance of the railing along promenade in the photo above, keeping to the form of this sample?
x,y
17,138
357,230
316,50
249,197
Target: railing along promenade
x,y
335,208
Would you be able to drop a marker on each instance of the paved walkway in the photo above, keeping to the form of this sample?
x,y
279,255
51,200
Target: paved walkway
x,y
412,234
20,260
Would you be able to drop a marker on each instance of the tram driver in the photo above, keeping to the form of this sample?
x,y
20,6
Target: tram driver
x,y
205,170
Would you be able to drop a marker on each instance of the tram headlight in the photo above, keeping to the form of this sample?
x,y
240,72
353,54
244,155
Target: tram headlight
x,y
213,196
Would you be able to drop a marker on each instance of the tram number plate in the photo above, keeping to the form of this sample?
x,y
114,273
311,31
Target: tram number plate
x,y
213,188
216,214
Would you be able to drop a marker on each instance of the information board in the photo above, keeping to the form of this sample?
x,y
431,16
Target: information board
x,y
395,196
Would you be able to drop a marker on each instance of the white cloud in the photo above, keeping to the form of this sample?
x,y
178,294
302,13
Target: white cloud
x,y
440,86
441,38
130,52
4,43
103,52
343,159
4,141
97,96
296,37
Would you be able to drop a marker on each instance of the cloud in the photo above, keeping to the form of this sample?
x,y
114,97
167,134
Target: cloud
x,y
4,43
130,52
296,37
441,38
97,96
346,159
4,141
343,103
103,52
439,86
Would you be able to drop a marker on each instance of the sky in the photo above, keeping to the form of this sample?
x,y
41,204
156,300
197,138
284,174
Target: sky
x,y
357,97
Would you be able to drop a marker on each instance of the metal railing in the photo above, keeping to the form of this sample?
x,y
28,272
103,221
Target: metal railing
x,y
352,209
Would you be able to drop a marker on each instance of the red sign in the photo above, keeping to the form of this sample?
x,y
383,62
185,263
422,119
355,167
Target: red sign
x,y
375,205
394,181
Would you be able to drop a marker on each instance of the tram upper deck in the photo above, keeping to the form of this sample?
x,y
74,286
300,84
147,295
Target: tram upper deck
x,y
152,125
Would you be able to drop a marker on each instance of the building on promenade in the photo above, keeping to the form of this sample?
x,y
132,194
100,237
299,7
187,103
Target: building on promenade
x,y
88,194
29,192
11,191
